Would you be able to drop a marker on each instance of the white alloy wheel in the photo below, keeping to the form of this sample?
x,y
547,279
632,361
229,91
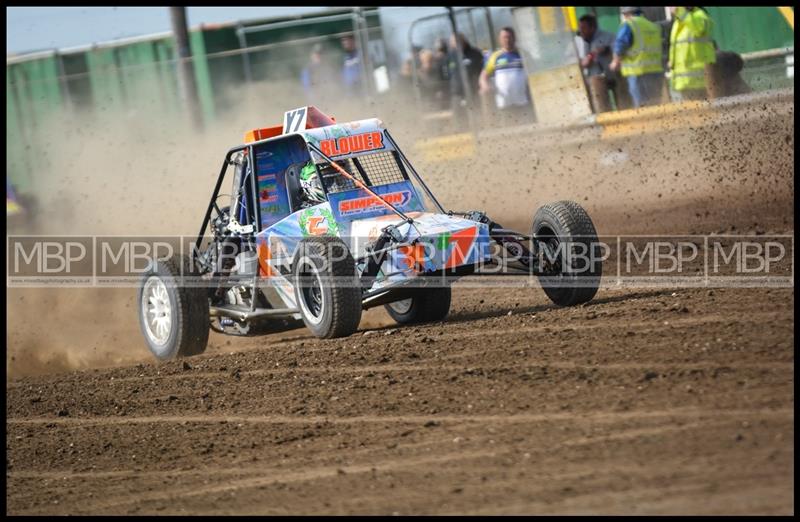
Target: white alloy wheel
x,y
156,310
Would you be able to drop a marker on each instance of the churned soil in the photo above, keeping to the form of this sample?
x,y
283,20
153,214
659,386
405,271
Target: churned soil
x,y
643,401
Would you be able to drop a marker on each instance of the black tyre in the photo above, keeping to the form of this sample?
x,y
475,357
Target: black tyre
x,y
326,287
425,306
173,316
573,278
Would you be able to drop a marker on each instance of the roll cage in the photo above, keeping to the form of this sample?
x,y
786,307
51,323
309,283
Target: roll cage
x,y
335,178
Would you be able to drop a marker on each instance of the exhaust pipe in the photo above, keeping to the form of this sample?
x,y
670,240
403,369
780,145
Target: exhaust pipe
x,y
241,315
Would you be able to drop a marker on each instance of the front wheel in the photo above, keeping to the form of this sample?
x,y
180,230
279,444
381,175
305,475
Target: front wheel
x,y
569,253
173,315
425,306
326,287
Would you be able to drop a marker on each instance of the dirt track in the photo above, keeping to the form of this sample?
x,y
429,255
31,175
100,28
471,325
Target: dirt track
x,y
624,406
639,402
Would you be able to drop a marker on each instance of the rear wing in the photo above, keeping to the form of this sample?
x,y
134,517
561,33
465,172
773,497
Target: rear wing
x,y
294,120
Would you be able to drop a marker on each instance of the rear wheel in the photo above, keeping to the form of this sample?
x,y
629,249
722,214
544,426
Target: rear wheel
x,y
173,316
326,287
425,306
571,272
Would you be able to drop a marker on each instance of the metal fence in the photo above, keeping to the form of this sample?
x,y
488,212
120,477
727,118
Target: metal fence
x,y
772,69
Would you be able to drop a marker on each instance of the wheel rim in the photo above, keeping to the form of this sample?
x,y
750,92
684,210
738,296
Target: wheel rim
x,y
156,311
402,307
549,238
312,298
558,269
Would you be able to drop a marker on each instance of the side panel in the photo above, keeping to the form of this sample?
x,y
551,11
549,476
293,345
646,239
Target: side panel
x,y
277,244
272,159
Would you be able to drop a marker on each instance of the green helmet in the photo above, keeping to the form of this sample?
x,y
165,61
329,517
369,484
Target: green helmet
x,y
310,184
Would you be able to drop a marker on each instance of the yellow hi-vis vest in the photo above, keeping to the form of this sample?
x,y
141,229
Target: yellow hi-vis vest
x,y
644,56
690,48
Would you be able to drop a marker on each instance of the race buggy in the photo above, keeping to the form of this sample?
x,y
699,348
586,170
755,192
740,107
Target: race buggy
x,y
365,231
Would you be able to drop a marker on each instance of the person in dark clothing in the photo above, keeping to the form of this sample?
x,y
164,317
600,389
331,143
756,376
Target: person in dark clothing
x,y
594,52
351,68
723,75
440,51
473,63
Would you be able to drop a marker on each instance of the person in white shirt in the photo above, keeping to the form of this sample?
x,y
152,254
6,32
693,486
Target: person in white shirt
x,y
505,67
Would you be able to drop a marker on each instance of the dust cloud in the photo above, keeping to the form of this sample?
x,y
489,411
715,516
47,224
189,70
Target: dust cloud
x,y
135,172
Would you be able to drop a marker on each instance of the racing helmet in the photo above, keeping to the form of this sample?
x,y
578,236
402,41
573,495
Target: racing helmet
x,y
310,184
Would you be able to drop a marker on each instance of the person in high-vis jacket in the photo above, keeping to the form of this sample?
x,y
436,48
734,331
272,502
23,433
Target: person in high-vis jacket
x,y
691,48
638,53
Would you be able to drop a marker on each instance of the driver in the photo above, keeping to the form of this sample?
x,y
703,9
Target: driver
x,y
310,187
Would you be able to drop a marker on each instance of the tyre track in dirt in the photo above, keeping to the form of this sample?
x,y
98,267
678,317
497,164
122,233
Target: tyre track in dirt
x,y
605,418
421,368
610,416
243,479
624,434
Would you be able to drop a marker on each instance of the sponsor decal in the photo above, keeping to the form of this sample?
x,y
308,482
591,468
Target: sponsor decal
x,y
443,241
263,259
368,203
352,144
317,222
267,197
271,209
269,193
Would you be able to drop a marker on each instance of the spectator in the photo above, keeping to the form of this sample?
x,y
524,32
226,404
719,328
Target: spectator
x,y
315,74
351,68
432,86
415,50
725,79
690,50
440,57
594,51
473,63
594,47
440,54
505,67
638,49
